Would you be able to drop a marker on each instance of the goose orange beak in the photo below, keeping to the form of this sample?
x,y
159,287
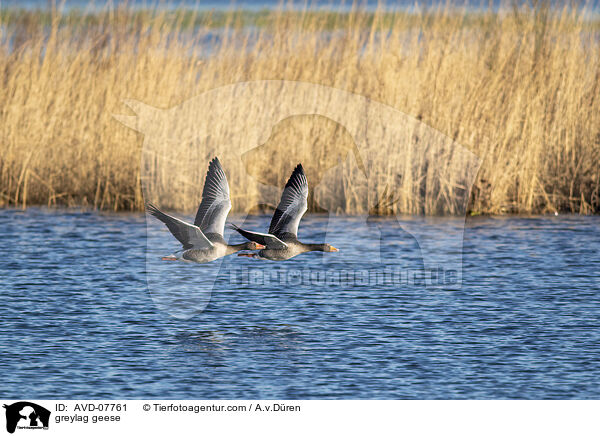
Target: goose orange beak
x,y
260,247
334,249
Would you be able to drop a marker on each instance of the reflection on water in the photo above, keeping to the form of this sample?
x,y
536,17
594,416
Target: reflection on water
x,y
78,320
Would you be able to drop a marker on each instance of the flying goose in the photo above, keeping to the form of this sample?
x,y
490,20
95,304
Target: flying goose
x,y
203,241
282,240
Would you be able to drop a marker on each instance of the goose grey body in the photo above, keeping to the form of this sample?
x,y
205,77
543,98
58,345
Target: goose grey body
x,y
203,241
282,241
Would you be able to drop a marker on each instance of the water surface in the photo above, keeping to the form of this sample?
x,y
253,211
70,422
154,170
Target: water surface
x,y
78,319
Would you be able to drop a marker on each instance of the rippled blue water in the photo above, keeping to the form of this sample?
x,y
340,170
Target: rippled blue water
x,y
78,319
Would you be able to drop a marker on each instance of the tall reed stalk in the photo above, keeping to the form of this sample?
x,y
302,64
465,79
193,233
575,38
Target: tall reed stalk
x,y
520,88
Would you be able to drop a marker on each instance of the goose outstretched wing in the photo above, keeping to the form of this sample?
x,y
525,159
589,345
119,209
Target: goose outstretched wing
x,y
216,203
189,235
292,206
272,242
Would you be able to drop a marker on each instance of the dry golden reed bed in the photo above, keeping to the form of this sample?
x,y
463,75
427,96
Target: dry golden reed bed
x,y
521,89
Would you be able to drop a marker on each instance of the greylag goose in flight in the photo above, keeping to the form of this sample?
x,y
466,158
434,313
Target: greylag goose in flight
x,y
203,241
282,240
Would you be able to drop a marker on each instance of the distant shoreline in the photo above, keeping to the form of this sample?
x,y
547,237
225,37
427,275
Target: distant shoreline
x,y
330,19
295,5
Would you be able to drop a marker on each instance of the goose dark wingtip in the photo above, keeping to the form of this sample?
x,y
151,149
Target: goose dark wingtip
x,y
298,173
150,208
215,167
214,160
